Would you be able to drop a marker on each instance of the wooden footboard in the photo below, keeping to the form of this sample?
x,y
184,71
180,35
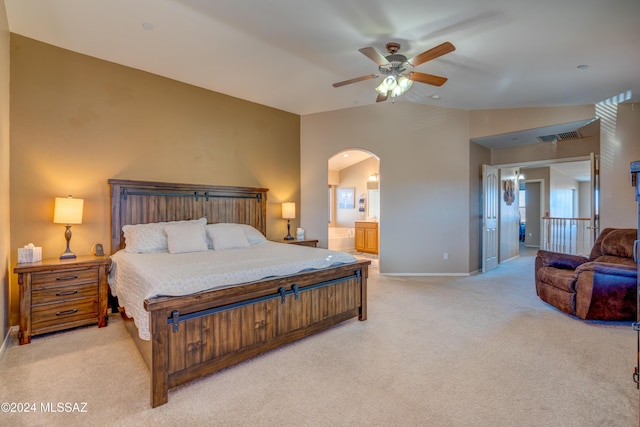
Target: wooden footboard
x,y
199,334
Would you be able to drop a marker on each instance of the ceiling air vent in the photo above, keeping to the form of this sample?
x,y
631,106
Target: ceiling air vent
x,y
564,136
548,138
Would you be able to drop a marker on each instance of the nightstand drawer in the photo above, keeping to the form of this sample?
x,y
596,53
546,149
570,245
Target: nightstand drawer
x,y
85,275
56,315
63,293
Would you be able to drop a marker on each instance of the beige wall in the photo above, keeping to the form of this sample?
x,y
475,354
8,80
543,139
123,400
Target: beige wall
x,y
78,121
542,174
541,152
5,245
424,180
498,121
412,142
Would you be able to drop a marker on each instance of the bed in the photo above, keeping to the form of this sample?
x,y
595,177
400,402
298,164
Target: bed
x,y
197,334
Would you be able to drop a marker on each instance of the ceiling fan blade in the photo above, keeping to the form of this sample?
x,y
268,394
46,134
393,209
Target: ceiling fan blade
x,y
427,78
357,79
382,97
430,54
374,55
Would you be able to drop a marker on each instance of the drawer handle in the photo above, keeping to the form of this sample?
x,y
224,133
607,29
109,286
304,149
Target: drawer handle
x,y
67,277
59,294
62,313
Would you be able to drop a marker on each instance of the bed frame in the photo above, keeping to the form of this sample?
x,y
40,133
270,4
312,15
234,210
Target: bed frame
x,y
195,335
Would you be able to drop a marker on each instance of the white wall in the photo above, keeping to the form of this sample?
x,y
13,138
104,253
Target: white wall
x,y
584,190
618,149
561,195
424,180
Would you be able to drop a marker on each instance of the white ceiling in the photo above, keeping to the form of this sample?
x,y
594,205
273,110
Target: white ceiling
x,y
286,54
347,158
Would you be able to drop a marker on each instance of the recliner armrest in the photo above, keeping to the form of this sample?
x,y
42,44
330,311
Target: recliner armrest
x,y
559,260
609,269
606,291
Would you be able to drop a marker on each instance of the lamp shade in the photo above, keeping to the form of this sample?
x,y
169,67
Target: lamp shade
x,y
68,210
288,210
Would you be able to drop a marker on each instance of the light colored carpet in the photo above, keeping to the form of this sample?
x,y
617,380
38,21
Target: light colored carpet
x,y
474,351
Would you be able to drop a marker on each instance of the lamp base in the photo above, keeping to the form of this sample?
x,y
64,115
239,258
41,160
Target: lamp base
x,y
289,236
67,255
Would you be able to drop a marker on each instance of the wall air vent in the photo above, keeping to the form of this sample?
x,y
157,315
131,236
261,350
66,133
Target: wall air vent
x,y
564,136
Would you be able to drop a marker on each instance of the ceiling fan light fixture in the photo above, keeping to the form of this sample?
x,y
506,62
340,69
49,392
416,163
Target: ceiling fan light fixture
x,y
381,89
404,83
397,70
390,82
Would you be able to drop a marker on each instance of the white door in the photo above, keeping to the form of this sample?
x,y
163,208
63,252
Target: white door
x,y
490,194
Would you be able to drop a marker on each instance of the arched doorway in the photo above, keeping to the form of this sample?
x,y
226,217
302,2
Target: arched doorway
x,y
354,202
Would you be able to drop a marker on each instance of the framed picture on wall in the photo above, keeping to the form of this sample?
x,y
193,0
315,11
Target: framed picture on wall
x,y
346,198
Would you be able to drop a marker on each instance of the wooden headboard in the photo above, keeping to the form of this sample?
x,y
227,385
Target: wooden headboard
x,y
140,202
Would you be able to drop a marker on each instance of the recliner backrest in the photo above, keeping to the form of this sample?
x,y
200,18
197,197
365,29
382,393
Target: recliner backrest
x,y
615,242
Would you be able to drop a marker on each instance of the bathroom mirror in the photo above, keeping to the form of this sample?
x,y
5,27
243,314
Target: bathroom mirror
x,y
373,205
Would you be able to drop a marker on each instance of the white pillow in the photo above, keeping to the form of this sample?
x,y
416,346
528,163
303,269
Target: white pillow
x,y
189,237
149,238
232,237
254,236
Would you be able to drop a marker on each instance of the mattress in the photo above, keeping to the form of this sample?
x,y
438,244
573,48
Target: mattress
x,y
135,277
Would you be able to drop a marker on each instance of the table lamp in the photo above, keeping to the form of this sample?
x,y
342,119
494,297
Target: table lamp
x,y
68,211
289,213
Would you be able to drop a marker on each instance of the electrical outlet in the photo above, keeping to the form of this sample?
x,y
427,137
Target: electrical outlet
x,y
445,256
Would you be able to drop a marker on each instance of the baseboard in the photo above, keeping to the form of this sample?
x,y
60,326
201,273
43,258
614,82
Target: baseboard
x,y
426,274
5,342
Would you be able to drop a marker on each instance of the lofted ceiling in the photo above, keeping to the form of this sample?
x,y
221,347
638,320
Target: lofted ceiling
x,y
286,54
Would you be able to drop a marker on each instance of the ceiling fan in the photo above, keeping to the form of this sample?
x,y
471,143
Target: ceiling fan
x,y
398,70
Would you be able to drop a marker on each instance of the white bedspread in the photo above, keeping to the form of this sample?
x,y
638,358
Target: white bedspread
x,y
136,277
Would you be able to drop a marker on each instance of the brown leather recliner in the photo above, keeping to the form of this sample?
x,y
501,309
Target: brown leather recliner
x,y
601,287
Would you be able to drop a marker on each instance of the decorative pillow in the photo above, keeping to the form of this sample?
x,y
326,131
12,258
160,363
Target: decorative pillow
x,y
253,235
189,237
230,237
149,238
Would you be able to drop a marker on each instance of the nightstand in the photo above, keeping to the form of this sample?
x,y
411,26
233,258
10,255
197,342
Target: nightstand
x,y
61,294
307,242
